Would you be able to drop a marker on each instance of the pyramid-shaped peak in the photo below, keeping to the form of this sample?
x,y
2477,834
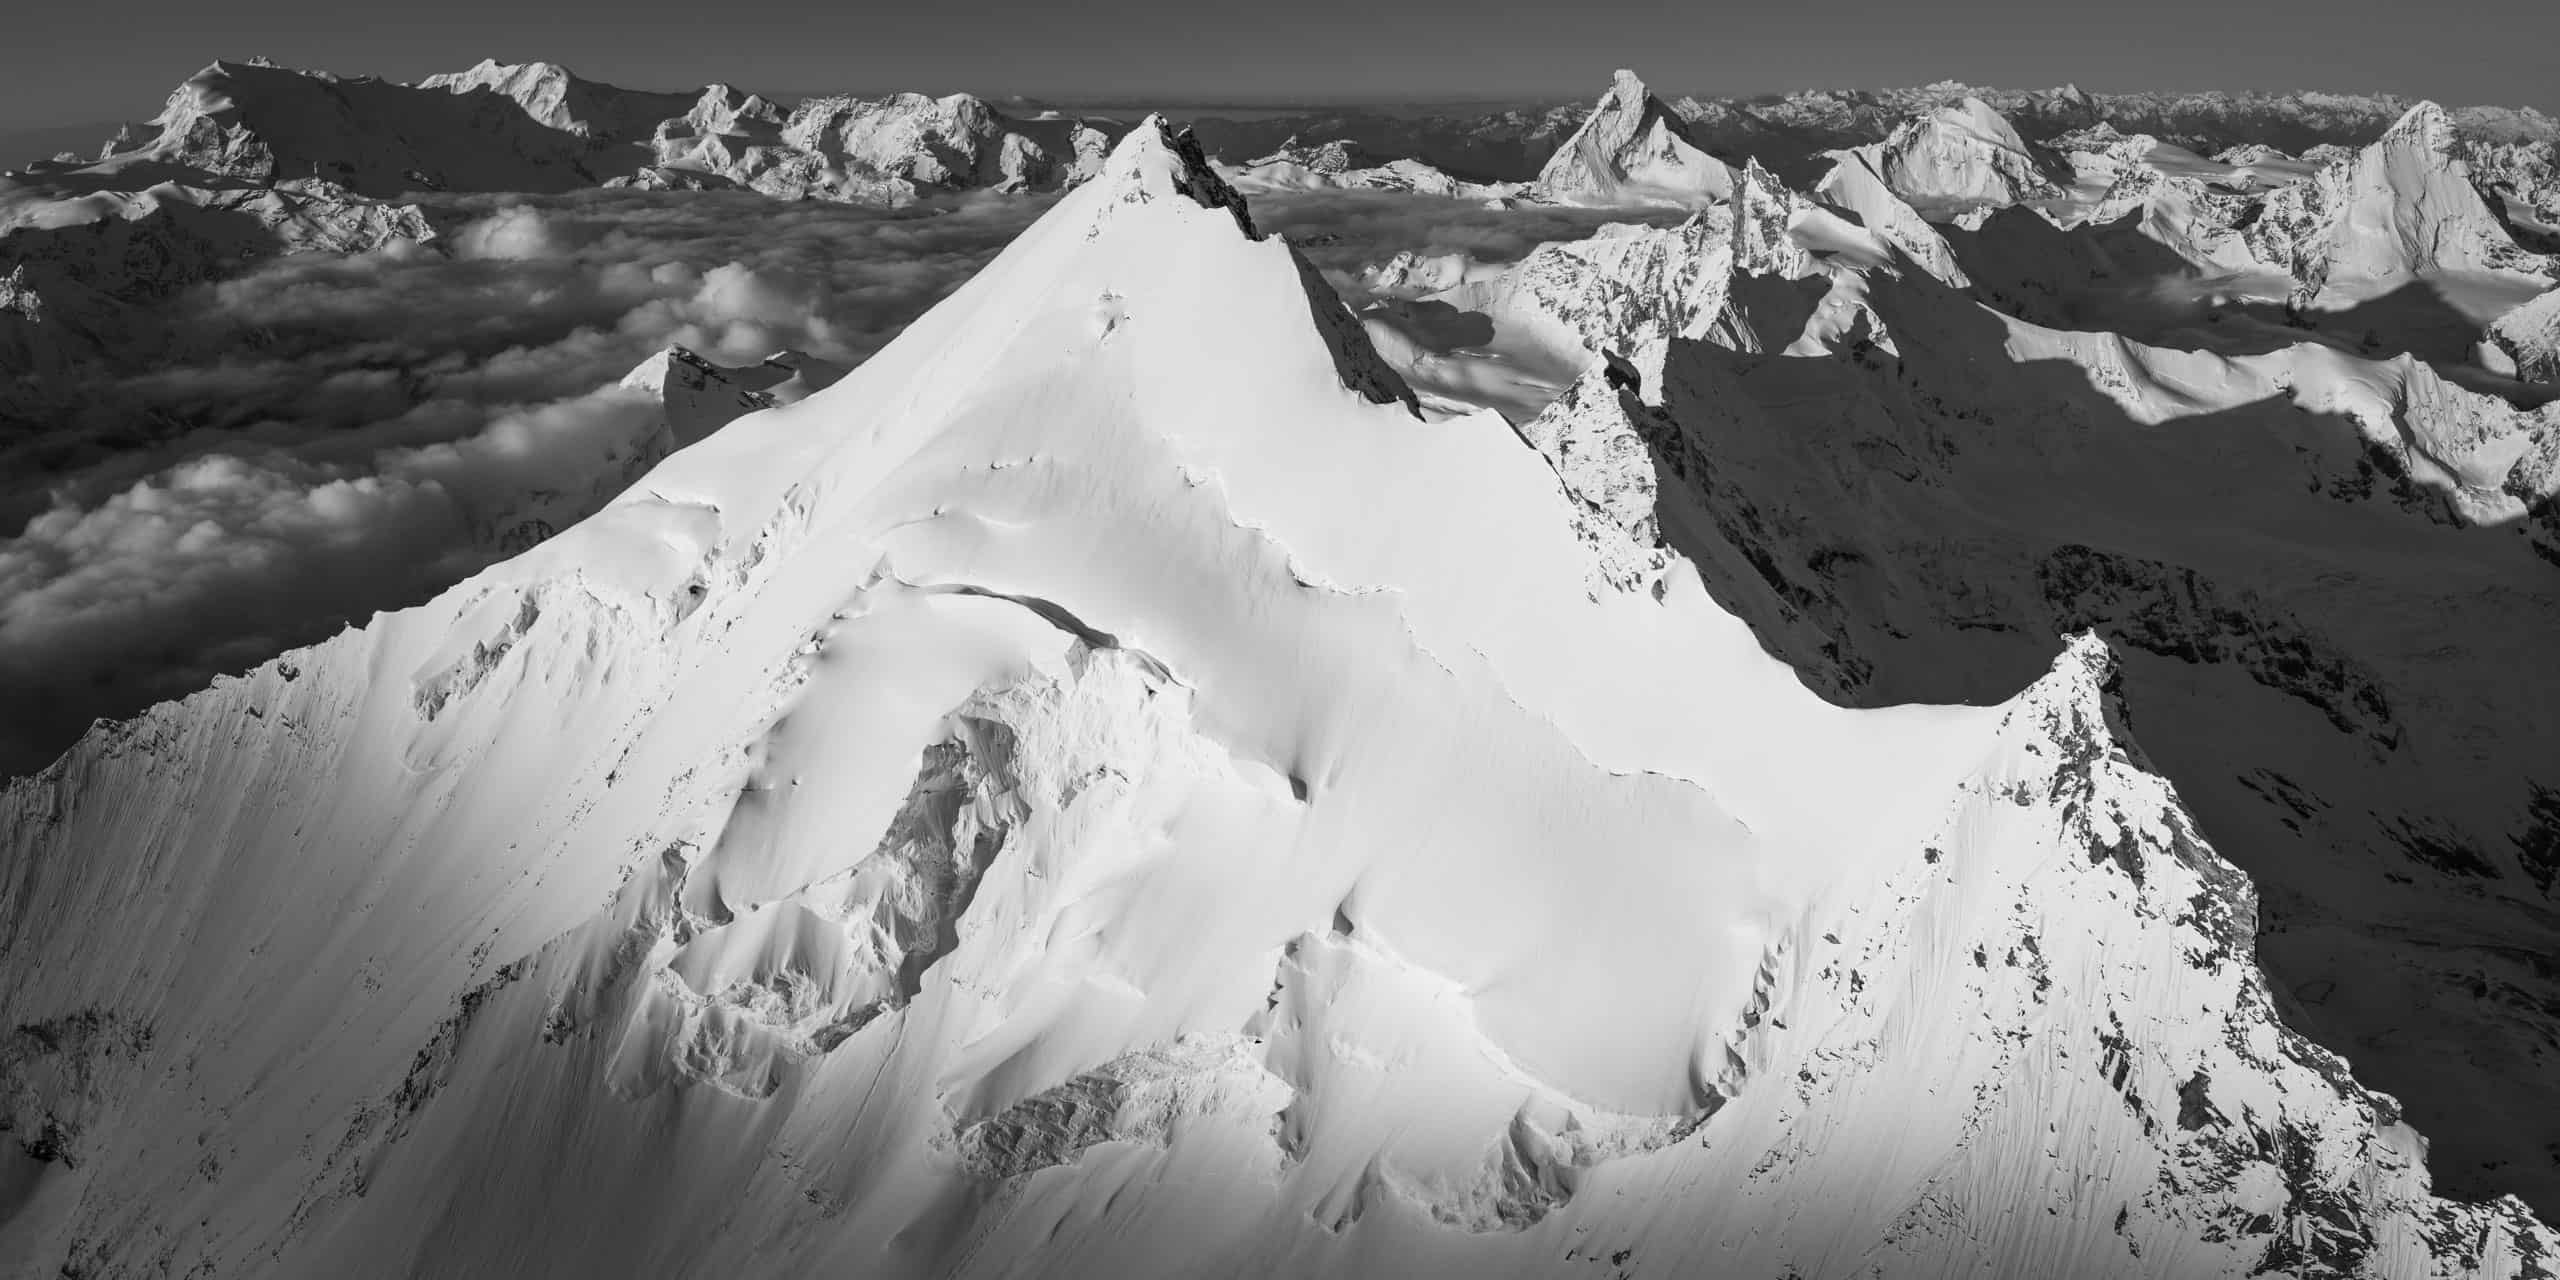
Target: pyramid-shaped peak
x,y
1157,158
1632,148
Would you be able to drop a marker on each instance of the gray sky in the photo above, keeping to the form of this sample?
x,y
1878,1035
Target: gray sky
x,y
75,63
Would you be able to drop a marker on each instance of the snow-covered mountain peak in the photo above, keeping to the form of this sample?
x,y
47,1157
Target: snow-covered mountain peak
x,y
1332,158
1632,149
1627,92
1960,158
2423,125
2399,211
1157,159
557,98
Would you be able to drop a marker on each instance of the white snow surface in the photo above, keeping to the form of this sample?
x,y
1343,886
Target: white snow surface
x,y
1105,788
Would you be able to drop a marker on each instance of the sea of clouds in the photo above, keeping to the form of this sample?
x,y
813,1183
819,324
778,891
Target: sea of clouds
x,y
272,456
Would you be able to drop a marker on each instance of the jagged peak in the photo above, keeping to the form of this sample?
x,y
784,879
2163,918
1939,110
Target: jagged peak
x,y
1157,158
1631,142
18,295
650,374
2081,693
1626,88
2425,124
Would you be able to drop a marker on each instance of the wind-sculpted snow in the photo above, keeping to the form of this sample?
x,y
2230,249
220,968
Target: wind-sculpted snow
x,y
1098,790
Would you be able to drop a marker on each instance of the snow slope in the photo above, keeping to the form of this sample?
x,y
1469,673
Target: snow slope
x,y
1106,789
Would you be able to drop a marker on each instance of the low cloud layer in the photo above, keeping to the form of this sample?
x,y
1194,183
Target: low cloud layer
x,y
290,450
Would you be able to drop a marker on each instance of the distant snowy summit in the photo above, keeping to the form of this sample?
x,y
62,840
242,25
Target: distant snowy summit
x,y
1632,149
2318,203
539,127
246,160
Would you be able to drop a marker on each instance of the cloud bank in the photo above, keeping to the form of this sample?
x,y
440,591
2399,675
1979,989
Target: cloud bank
x,y
290,450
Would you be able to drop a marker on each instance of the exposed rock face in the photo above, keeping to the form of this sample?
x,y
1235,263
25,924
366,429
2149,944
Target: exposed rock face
x,y
1632,284
2521,179
1631,150
2529,338
50,323
1856,185
1593,437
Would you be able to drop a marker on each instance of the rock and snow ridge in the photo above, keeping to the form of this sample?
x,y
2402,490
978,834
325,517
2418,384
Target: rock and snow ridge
x,y
2527,339
999,812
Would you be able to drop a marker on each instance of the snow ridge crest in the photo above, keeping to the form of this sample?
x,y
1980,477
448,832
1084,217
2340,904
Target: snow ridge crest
x,y
1158,158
